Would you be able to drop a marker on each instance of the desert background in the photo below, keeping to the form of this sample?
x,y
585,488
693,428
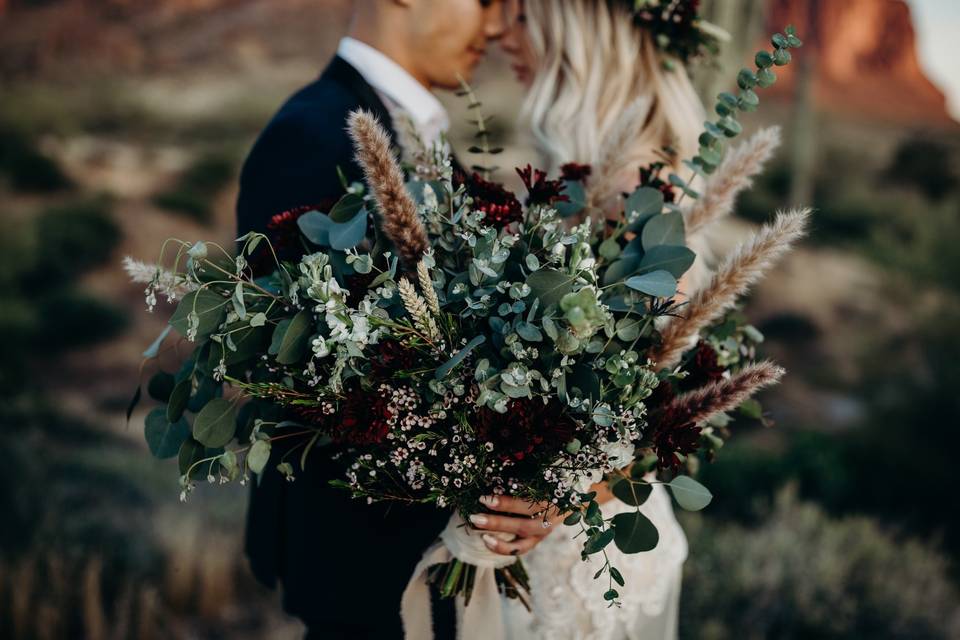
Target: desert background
x,y
125,122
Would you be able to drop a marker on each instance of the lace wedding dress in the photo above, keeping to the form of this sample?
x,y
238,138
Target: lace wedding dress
x,y
568,603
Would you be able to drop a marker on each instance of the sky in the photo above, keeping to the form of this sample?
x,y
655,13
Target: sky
x,y
938,27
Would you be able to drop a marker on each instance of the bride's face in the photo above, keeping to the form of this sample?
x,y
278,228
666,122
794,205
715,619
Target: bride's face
x,y
516,42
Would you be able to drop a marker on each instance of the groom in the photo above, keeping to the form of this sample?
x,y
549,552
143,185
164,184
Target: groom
x,y
343,564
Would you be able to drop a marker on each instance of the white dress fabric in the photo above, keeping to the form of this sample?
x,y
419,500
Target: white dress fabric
x,y
568,603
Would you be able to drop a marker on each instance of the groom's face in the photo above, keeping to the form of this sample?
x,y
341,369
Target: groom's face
x,y
450,37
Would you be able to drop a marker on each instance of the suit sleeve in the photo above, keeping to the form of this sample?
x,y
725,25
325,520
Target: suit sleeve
x,y
293,164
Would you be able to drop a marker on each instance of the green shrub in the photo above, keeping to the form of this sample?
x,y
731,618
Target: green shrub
x,y
194,192
25,168
923,164
74,237
802,574
924,248
70,319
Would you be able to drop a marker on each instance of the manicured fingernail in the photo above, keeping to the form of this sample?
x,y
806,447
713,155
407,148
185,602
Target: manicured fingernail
x,y
478,519
489,540
489,501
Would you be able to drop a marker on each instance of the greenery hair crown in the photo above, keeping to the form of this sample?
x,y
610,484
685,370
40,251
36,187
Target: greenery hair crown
x,y
677,28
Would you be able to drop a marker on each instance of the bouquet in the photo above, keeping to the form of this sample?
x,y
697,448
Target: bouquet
x,y
446,339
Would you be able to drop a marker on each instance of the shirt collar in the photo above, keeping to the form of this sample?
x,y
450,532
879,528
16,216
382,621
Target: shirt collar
x,y
394,83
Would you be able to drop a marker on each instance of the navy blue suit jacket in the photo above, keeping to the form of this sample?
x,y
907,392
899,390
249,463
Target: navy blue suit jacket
x,y
342,564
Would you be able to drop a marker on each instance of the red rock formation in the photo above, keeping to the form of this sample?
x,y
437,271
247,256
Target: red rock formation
x,y
866,57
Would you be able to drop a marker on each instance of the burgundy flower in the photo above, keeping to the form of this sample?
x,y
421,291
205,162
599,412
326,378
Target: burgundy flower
x,y
528,426
683,439
500,206
703,369
673,430
573,171
360,419
363,418
391,357
650,177
539,189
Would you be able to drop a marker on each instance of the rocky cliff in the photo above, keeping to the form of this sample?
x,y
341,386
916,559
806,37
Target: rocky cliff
x,y
866,60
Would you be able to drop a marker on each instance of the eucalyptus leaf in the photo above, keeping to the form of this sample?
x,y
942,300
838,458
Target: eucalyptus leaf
x,y
631,492
586,380
549,286
315,226
628,329
134,401
349,234
161,386
248,340
577,197
154,349
346,208
450,364
216,423
529,332
621,269
609,249
635,533
659,284
645,202
163,437
258,456
207,390
293,344
177,402
598,542
674,259
666,228
192,452
690,494
210,307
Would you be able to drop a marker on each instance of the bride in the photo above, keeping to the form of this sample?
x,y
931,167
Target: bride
x,y
602,93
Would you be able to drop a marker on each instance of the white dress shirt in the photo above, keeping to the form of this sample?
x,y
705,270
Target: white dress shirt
x,y
397,88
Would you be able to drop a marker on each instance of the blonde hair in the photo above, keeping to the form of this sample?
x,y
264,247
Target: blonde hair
x,y
596,69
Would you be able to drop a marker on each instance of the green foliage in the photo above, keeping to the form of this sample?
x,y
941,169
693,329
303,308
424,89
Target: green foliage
x,y
907,420
42,311
194,191
24,167
924,164
73,238
635,533
802,574
729,105
67,319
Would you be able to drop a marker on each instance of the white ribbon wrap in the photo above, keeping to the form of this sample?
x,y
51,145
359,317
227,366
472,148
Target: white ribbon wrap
x,y
483,619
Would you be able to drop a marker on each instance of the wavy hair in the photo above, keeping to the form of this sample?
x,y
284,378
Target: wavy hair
x,y
596,69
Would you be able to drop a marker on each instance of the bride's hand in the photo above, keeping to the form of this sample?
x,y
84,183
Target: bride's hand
x,y
517,527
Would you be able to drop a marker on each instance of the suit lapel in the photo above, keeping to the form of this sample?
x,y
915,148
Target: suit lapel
x,y
341,72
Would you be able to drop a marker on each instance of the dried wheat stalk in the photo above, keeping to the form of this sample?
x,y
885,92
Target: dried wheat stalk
x,y
400,221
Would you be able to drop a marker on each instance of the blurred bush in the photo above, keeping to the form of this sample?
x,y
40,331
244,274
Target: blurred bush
x,y
195,190
24,167
43,311
924,164
801,574
895,465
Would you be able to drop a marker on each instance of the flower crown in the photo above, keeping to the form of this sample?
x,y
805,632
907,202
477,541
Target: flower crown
x,y
677,28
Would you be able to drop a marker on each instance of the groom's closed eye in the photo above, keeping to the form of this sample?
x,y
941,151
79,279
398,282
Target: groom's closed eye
x,y
510,9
